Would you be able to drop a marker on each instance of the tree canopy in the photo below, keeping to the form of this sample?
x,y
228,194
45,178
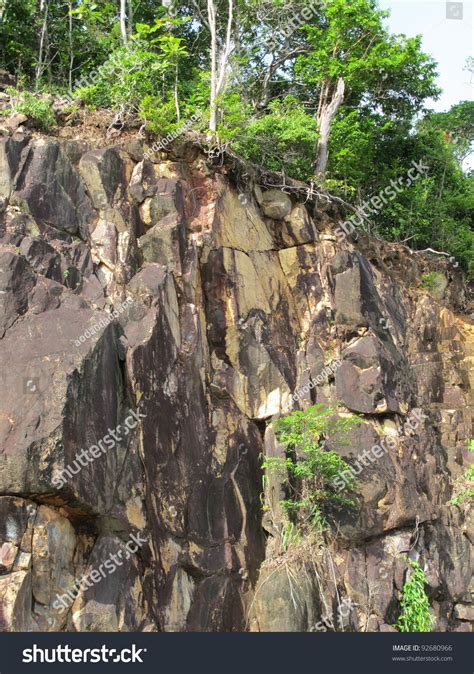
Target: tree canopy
x,y
319,90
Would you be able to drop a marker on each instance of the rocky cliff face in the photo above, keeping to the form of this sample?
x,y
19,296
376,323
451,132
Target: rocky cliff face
x,y
155,317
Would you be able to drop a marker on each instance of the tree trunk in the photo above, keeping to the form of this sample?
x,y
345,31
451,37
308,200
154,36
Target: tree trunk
x,y
130,19
123,22
43,7
176,97
211,14
327,110
71,48
218,72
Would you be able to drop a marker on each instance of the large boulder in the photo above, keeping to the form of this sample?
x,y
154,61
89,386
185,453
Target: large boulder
x,y
51,188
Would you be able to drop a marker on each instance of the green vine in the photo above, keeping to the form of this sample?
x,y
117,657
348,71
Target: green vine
x,y
415,615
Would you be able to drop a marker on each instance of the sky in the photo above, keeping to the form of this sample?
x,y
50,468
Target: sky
x,y
448,40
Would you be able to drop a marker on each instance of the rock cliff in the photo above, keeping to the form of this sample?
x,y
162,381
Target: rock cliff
x,y
155,317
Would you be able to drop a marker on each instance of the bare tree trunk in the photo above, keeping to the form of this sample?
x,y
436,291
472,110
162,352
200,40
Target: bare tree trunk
x,y
218,71
176,98
211,14
44,8
71,48
130,19
3,8
123,21
327,110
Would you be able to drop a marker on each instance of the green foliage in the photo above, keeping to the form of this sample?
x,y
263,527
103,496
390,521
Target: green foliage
x,y
309,468
290,536
36,109
283,67
126,78
381,71
159,115
431,280
456,127
437,210
282,140
415,615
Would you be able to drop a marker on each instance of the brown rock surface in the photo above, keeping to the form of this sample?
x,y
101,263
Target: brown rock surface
x,y
130,286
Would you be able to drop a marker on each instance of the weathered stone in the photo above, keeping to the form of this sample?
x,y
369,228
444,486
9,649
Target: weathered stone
x,y
16,120
51,188
463,612
276,204
223,314
283,605
298,227
103,173
53,547
8,553
348,299
368,380
114,600
163,242
15,602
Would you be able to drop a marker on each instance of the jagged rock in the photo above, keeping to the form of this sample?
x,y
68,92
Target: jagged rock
x,y
51,188
15,602
298,227
113,602
128,285
348,298
368,380
163,243
463,612
16,120
53,546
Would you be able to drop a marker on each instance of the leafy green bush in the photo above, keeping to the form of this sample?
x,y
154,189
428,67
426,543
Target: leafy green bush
x,y
146,69
309,469
282,140
36,109
415,615
124,79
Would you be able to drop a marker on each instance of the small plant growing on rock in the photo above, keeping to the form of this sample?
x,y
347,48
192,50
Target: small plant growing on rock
x,y
290,536
308,470
36,109
431,280
463,487
415,615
